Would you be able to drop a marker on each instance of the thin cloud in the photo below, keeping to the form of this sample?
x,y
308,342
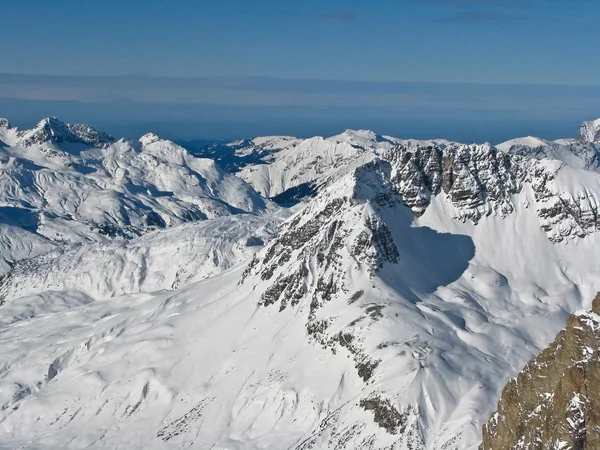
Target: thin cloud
x,y
485,3
507,4
477,16
339,16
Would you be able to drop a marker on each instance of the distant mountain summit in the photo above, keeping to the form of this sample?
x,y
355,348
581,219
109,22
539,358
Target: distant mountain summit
x,y
52,130
590,131
581,152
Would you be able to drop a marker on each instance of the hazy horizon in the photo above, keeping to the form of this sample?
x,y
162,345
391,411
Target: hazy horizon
x,y
183,108
468,70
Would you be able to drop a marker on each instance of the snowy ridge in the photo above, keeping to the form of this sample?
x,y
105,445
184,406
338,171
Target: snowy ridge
x,y
316,160
478,179
580,153
53,130
577,154
70,183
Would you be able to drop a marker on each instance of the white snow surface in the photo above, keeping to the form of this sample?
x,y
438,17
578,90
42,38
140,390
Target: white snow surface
x,y
163,259
358,326
582,152
576,153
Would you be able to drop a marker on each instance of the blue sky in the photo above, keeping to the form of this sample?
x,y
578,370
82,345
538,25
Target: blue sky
x,y
410,67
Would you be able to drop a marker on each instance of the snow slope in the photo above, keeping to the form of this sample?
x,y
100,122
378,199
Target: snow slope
x,y
163,259
359,325
71,183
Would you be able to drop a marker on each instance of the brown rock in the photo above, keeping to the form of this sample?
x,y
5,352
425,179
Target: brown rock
x,y
554,403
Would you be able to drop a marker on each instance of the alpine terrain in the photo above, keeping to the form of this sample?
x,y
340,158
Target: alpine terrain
x,y
351,292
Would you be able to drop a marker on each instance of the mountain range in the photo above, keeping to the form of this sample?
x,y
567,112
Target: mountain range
x,y
356,291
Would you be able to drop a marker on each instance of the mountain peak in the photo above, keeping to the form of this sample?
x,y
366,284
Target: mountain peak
x,y
590,131
4,123
150,138
51,120
362,138
53,130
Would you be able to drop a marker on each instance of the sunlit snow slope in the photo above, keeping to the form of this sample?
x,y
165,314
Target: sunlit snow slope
x,y
163,259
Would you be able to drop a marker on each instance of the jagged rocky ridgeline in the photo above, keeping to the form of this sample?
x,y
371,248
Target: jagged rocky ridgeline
x,y
477,180
554,403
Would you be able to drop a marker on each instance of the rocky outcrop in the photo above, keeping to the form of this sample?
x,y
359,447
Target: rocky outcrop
x,y
554,403
480,180
477,179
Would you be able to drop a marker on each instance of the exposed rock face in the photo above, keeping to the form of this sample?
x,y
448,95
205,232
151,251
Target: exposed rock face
x,y
477,179
480,180
554,403
305,267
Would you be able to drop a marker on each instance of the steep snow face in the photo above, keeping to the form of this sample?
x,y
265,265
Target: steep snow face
x,y
8,134
359,325
17,243
194,251
72,183
527,141
590,131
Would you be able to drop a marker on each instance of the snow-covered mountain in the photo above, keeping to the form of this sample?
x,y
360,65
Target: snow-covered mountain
x,y
387,312
582,152
590,131
292,168
70,183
